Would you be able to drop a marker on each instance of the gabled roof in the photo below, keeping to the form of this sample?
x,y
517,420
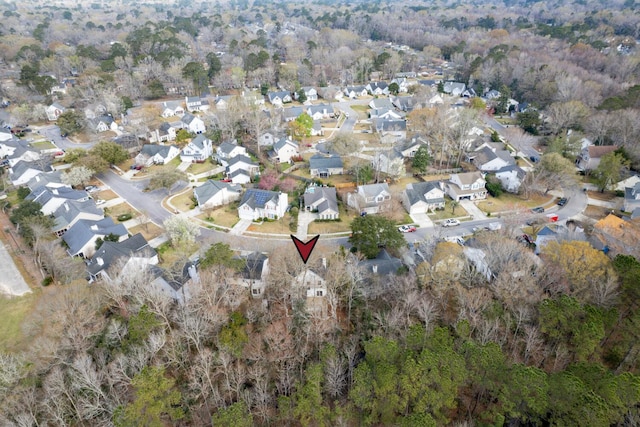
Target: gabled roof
x,y
187,118
378,85
155,149
110,252
468,178
70,209
227,147
380,103
282,142
372,190
45,179
520,173
241,158
22,167
172,105
320,108
256,198
292,112
416,192
254,264
43,194
356,89
210,188
391,125
327,194
320,161
199,141
106,119
546,231
383,264
597,151
83,231
273,95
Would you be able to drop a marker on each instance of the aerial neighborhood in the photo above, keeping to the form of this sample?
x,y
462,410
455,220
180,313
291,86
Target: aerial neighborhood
x,y
476,201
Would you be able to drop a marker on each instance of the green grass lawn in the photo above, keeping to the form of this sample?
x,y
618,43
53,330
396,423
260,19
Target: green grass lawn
x,y
13,312
344,225
447,212
198,168
280,226
43,145
184,202
120,209
226,216
513,202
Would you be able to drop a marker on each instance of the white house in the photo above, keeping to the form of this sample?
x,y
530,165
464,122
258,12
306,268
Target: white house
x,y
467,186
454,88
156,154
54,111
283,150
378,88
72,211
323,201
165,133
241,169
488,160
198,150
323,166
254,274
171,108
216,193
422,197
320,111
332,93
371,198
352,92
22,172
196,103
511,177
133,253
105,123
279,98
256,204
192,123
390,162
228,150
309,91
51,199
81,237
267,138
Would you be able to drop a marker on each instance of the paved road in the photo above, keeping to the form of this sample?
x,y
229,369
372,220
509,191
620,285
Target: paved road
x,y
52,132
11,281
526,147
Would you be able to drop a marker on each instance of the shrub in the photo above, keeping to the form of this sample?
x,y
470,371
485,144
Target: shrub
x,y
47,281
124,217
619,193
23,192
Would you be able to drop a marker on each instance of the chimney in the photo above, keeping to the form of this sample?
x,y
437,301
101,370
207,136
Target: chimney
x,y
375,268
100,261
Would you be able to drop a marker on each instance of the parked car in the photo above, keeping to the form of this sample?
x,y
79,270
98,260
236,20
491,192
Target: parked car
x,y
406,229
563,201
91,188
534,159
539,209
100,202
452,222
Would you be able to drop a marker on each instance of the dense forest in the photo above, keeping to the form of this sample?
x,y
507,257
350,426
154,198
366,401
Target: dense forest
x,y
548,340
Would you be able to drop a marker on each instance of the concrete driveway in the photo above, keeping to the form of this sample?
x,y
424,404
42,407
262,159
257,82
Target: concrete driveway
x,y
11,281
422,219
472,209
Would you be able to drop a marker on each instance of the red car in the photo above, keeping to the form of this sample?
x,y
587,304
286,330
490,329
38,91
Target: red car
x,y
225,180
406,229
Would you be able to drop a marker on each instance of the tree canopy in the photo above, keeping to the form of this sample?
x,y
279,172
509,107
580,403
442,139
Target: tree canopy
x,y
370,233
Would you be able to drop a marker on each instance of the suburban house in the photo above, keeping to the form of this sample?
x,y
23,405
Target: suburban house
x,y
283,150
175,286
378,268
409,148
543,237
454,88
435,100
192,123
279,98
590,156
132,253
632,198
320,111
492,94
196,103
511,177
467,186
267,138
618,235
352,92
488,160
49,179
316,129
323,166
406,103
292,113
156,154
165,133
378,88
390,130
254,274
71,211
370,198
402,82
222,101
216,193
128,141
104,123
22,172
309,91
323,201
228,150
331,93
82,236
171,108
380,104
310,285
198,150
54,111
6,135
257,204
390,162
51,199
385,114
241,169
422,197
17,150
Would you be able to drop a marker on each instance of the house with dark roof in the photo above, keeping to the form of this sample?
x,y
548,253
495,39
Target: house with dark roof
x,y
292,113
590,156
166,132
466,186
254,274
325,165
71,211
82,236
378,268
309,92
323,201
423,197
409,148
370,198
489,160
132,253
51,199
381,104
104,123
241,169
128,141
283,150
198,149
216,193
454,88
49,179
256,204
543,237
331,93
176,286
632,197
321,111
192,123
196,103
22,172
406,103
228,150
378,88
279,98
352,92
390,162
156,154
391,130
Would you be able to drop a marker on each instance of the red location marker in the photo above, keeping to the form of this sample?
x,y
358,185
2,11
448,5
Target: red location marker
x,y
305,249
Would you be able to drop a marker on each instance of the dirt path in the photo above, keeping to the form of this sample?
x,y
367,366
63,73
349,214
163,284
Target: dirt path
x,y
20,252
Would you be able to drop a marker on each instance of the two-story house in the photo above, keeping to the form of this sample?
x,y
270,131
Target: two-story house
x,y
131,254
371,198
454,88
241,169
54,111
164,133
590,156
378,88
423,197
257,204
192,123
489,160
279,98
82,236
51,199
254,274
216,193
105,123
71,211
352,92
22,172
196,103
198,149
320,111
309,92
283,150
228,150
171,108
467,186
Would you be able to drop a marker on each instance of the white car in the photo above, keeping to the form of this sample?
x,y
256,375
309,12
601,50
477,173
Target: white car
x,y
100,202
450,222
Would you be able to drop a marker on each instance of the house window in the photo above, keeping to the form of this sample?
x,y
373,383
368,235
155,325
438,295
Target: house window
x,y
319,293
256,291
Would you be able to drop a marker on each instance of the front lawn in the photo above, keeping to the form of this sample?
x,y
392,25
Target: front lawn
x,y
13,312
105,195
198,168
172,165
149,230
184,201
606,196
43,145
226,216
344,225
123,208
447,212
280,226
513,202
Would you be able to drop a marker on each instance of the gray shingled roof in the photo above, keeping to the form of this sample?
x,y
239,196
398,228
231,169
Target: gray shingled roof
x,y
45,179
320,161
83,231
69,211
151,150
110,252
227,147
416,192
327,194
187,118
372,190
43,194
210,188
199,140
22,167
